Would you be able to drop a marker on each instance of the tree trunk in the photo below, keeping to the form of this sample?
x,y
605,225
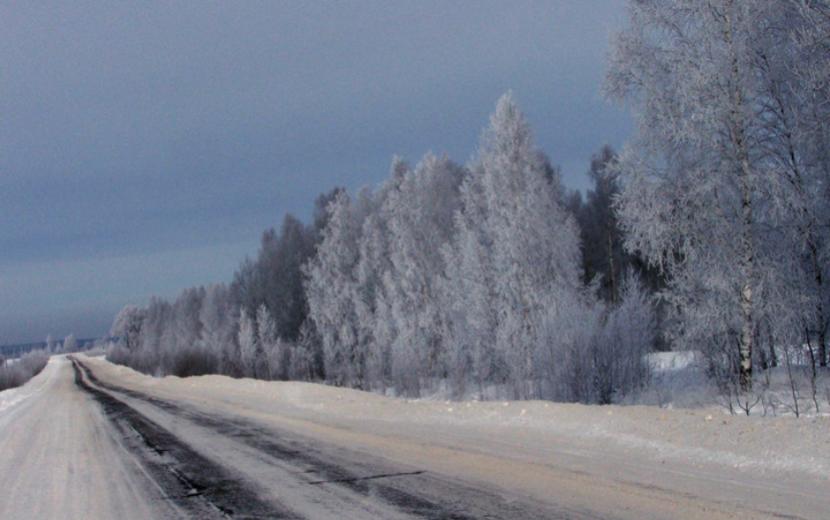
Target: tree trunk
x,y
611,269
745,349
747,269
747,249
808,228
820,317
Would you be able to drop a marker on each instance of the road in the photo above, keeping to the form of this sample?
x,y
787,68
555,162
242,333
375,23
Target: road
x,y
87,443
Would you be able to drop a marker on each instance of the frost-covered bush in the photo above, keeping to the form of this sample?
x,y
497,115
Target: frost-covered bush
x,y
593,352
24,368
620,349
564,353
192,361
119,355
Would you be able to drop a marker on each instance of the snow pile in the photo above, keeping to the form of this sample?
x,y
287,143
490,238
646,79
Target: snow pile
x,y
673,361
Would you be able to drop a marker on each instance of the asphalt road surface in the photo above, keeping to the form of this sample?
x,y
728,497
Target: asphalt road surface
x,y
83,445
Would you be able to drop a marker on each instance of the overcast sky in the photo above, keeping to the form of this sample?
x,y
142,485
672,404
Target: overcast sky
x,y
144,147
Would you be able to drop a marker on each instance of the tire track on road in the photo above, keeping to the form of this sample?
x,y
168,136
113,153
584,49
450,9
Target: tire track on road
x,y
409,490
195,484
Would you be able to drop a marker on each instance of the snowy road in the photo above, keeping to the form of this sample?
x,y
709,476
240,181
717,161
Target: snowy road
x,y
91,440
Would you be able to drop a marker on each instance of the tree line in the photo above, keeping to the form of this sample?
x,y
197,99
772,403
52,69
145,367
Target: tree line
x,y
469,276
708,231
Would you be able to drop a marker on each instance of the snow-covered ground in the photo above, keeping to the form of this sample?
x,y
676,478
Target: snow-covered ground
x,y
58,458
699,451
706,433
661,362
569,460
679,381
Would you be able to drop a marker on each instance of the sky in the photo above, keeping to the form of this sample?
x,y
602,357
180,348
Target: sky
x,y
145,146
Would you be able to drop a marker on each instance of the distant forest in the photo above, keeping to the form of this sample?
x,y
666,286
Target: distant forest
x,y
17,350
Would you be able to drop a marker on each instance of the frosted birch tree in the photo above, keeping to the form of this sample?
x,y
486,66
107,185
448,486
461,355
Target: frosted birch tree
x,y
248,344
693,175
127,326
70,344
535,242
275,360
420,213
792,59
186,322
375,332
522,235
467,291
331,286
218,319
371,312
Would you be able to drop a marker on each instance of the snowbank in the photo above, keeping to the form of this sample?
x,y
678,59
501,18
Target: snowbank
x,y
694,436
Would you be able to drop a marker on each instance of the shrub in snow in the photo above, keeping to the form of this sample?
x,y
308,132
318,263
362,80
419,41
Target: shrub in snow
x,y
620,364
193,361
26,367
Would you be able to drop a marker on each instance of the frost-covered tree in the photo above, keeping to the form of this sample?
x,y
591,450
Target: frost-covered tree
x,y
248,344
725,185
693,196
275,357
513,230
627,333
157,340
568,334
603,254
275,278
218,318
330,289
369,301
466,295
792,60
535,244
127,326
420,222
70,344
307,355
187,324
